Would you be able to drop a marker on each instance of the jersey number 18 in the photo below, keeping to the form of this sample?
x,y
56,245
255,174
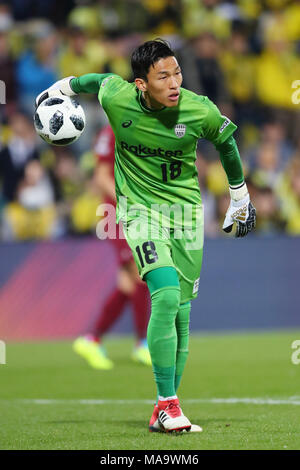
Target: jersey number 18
x,y
174,170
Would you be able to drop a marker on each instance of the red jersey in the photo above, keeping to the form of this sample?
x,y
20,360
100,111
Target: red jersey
x,y
105,152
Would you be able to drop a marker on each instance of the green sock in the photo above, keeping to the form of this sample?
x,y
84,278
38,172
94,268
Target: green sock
x,y
182,327
162,338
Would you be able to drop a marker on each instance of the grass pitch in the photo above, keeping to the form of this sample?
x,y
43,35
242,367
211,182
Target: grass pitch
x,y
243,389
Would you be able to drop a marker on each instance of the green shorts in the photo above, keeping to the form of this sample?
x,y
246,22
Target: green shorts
x,y
155,246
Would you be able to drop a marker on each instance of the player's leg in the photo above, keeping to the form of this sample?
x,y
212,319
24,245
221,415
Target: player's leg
x,y
187,252
115,303
155,279
140,303
90,346
151,248
188,261
151,258
182,328
164,289
138,296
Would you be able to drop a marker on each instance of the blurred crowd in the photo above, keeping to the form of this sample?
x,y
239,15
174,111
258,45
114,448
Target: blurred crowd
x,y
244,55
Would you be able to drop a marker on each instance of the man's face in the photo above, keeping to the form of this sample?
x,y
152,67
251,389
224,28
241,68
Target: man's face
x,y
162,87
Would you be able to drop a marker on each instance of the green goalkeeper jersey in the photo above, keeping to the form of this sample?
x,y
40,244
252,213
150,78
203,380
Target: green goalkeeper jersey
x,y
155,150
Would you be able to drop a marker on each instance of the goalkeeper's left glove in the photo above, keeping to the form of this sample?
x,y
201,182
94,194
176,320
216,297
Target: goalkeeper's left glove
x,y
62,87
241,211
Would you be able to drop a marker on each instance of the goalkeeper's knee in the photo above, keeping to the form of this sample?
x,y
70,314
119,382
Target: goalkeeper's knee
x,y
165,303
164,287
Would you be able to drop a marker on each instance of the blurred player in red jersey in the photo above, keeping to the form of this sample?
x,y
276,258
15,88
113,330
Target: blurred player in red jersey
x,y
130,288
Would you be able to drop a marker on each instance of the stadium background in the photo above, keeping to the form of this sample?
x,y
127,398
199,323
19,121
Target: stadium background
x,y
244,55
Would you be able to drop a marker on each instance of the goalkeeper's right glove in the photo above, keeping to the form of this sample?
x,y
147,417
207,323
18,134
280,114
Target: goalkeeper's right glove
x,y
62,87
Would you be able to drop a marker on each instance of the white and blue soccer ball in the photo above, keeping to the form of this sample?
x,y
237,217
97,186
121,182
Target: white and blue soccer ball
x,y
59,120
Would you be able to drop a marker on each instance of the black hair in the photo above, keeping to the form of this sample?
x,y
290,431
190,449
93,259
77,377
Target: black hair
x,y
147,54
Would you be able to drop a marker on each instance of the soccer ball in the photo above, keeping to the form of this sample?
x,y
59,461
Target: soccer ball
x,y
59,120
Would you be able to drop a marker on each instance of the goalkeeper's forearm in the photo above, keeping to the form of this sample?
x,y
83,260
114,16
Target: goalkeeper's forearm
x,y
231,161
89,83
70,86
241,209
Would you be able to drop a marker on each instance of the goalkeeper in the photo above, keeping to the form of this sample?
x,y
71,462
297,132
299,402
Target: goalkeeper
x,y
157,125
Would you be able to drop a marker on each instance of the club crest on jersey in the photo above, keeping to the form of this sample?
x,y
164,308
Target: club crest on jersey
x,y
180,130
